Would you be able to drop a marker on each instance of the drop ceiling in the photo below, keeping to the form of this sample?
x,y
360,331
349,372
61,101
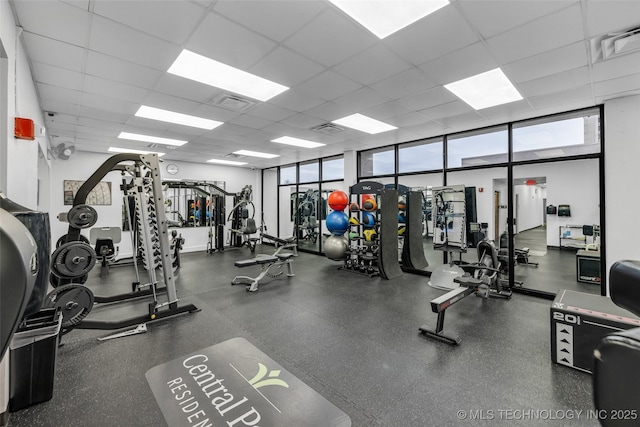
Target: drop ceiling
x,y
95,62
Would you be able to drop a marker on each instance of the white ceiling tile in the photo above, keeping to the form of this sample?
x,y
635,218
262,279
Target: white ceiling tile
x,y
604,16
442,32
270,112
55,53
506,112
491,17
118,70
554,83
619,86
250,121
386,110
71,23
331,38
328,111
303,121
429,98
266,17
286,67
230,131
361,99
426,130
99,114
296,100
59,93
60,108
549,100
462,63
57,76
108,104
171,103
552,62
110,89
328,85
168,19
461,122
100,124
141,122
409,119
227,42
215,113
404,84
185,88
61,118
126,43
616,67
372,65
548,33
454,108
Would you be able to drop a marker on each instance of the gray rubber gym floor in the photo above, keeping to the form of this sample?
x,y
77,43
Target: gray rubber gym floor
x,y
353,339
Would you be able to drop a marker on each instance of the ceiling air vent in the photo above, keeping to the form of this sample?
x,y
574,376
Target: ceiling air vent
x,y
613,45
327,129
235,156
232,102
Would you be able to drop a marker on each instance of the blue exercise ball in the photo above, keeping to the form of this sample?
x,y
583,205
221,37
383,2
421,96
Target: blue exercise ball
x,y
368,220
337,223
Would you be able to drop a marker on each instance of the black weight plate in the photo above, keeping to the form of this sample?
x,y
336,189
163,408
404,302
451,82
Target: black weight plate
x,y
82,216
72,260
63,239
74,301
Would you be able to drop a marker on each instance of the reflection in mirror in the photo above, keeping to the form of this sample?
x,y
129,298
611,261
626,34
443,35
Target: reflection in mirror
x,y
288,201
269,214
424,183
557,226
191,203
327,188
306,213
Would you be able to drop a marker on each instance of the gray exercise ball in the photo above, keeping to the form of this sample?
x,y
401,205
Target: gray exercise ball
x,y
335,248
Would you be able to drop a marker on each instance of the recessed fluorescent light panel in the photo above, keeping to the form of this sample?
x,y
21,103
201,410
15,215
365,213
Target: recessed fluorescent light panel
x,y
297,142
485,90
364,124
255,154
130,150
152,139
213,73
226,162
177,118
385,17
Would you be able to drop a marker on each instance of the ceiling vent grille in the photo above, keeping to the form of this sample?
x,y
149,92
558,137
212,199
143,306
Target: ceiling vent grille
x,y
613,45
327,129
232,102
235,156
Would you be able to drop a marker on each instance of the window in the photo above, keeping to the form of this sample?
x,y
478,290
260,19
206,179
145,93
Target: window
x,y
333,168
567,135
288,175
420,156
309,172
484,147
380,161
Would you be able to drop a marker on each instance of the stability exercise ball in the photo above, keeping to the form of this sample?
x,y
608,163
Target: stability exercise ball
x,y
337,223
335,248
338,200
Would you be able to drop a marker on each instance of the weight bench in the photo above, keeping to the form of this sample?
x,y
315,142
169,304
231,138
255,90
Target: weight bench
x,y
282,244
267,263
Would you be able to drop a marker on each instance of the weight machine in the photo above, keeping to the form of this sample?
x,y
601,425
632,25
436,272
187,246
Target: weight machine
x,y
74,259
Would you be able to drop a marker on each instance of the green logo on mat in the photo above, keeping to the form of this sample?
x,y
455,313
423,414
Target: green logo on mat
x,y
259,381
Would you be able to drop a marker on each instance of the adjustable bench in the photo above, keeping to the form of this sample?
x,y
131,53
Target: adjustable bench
x,y
270,265
281,244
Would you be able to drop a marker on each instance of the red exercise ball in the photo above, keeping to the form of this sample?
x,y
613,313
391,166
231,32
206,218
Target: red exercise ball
x,y
338,200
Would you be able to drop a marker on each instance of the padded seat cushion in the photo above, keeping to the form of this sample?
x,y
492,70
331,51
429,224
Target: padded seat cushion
x,y
263,259
284,256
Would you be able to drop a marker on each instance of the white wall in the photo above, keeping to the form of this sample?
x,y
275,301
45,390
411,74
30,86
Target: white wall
x,y
529,214
20,157
622,175
83,164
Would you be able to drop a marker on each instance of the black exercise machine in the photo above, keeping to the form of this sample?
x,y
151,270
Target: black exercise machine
x,y
521,256
482,279
616,373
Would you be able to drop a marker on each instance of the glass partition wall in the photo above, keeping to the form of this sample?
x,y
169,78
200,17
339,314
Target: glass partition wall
x,y
535,184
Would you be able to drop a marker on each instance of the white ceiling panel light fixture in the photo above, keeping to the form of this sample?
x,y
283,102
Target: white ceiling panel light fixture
x,y
385,17
288,140
365,124
485,90
205,70
131,150
177,118
152,139
226,162
256,154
